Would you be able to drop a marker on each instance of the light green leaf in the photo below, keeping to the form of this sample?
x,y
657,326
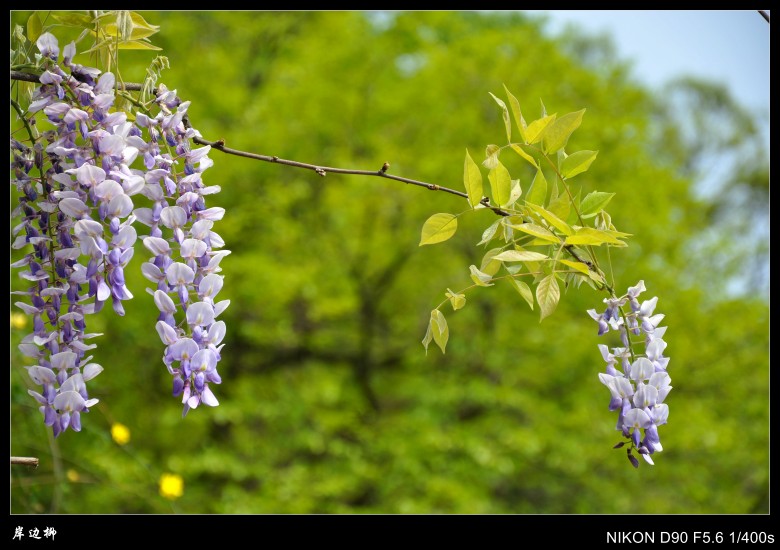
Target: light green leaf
x,y
529,153
491,156
428,335
438,228
560,206
439,329
505,114
521,256
579,266
139,21
537,231
552,219
535,130
472,179
137,45
490,265
515,106
19,36
577,163
594,202
547,294
490,232
479,278
492,150
457,301
500,184
590,236
538,192
558,132
100,45
132,23
516,193
34,27
524,290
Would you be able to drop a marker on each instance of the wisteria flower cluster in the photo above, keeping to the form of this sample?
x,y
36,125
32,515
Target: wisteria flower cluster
x,y
641,383
78,184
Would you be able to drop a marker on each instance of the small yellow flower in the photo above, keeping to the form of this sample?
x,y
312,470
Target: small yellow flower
x,y
18,320
72,475
171,486
120,433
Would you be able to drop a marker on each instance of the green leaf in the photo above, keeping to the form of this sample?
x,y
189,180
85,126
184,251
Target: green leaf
x,y
479,278
547,294
34,27
18,34
428,335
490,265
505,113
490,232
73,19
137,45
438,228
558,132
521,256
577,163
457,301
529,153
537,231
524,290
500,185
130,22
515,106
439,329
100,45
552,219
538,192
560,206
472,180
139,21
590,236
516,192
594,202
491,156
535,130
579,266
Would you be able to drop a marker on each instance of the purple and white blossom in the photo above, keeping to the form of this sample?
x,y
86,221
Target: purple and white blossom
x,y
639,387
78,186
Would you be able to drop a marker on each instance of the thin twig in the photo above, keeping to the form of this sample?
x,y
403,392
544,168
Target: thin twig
x,y
29,77
321,170
25,461
25,77
26,123
219,145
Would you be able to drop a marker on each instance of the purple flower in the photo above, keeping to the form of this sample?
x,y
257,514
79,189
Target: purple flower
x,y
638,390
77,234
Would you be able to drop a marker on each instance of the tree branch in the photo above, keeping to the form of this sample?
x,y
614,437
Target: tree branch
x,y
219,145
25,461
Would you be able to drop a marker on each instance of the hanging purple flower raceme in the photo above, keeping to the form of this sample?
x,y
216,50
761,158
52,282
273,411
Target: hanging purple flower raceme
x,y
185,260
67,212
640,384
77,184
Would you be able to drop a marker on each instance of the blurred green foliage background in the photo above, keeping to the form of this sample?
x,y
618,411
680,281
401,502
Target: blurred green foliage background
x,y
329,403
